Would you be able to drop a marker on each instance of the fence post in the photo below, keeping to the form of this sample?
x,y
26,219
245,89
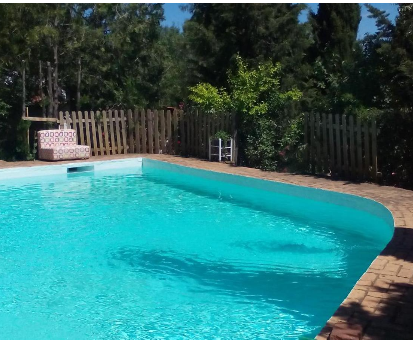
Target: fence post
x,y
312,146
331,135
345,147
366,149
130,132
143,132
123,127
318,143
306,150
353,166
156,130
338,144
94,140
176,129
374,149
325,145
163,142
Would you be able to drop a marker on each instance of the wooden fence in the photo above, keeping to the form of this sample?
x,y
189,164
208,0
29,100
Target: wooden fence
x,y
342,145
146,131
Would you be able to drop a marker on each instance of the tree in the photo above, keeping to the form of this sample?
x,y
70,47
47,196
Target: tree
x,y
216,33
402,49
174,82
335,30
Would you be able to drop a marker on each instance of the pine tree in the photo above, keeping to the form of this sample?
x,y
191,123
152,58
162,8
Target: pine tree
x,y
402,48
335,30
216,33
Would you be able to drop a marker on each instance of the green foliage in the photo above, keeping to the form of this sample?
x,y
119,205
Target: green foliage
x,y
335,27
255,95
217,33
257,90
225,136
209,98
22,150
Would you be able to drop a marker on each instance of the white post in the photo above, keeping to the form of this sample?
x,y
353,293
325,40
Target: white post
x,y
219,153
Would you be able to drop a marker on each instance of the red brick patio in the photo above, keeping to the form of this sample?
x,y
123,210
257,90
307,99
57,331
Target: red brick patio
x,y
382,300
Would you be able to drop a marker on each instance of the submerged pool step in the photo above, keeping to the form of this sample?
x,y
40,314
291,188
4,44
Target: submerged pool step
x,y
77,169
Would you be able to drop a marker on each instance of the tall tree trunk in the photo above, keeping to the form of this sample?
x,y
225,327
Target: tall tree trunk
x,y
23,88
41,89
79,79
49,90
55,84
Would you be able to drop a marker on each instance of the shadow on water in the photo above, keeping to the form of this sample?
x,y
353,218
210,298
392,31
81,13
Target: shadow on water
x,y
275,246
296,293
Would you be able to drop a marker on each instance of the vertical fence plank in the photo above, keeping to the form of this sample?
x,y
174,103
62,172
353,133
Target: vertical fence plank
x,y
359,148
196,131
67,116
193,128
150,130
123,128
130,132
353,168
88,142
190,133
366,149
112,133
163,139
306,145
318,144
200,134
325,145
81,128
61,120
312,142
205,136
143,132
74,126
156,130
331,135
137,131
105,131
345,145
117,132
100,135
183,135
374,149
169,132
208,133
338,144
176,131
193,133
94,141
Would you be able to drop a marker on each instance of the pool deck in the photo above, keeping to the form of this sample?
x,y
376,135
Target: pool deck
x,y
382,300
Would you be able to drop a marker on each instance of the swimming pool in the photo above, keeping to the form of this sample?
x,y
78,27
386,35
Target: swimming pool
x,y
142,249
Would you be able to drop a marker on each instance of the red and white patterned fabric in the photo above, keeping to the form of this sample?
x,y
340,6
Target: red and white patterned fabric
x,y
55,145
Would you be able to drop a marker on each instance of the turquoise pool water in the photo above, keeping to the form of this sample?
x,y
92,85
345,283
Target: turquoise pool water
x,y
159,254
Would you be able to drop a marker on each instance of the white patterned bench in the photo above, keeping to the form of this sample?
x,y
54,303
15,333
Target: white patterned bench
x,y
56,145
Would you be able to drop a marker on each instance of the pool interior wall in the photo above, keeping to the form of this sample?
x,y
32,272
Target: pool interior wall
x,y
347,211
258,195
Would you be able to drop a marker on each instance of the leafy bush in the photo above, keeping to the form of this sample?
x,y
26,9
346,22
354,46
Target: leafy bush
x,y
222,135
209,98
256,97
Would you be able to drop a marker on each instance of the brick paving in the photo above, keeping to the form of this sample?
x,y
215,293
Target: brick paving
x,y
382,300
